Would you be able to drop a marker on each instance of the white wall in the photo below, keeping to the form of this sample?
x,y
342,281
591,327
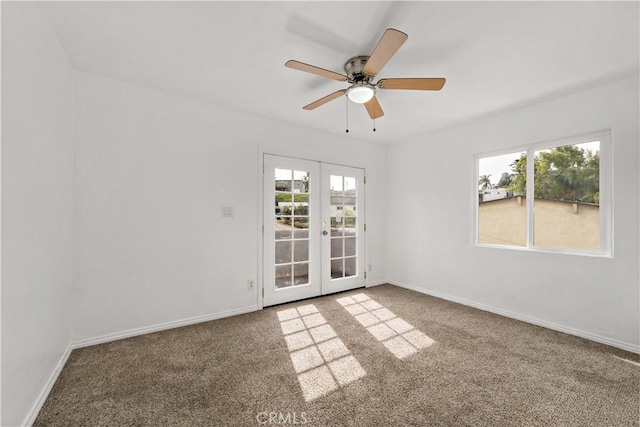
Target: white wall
x,y
37,206
138,228
429,239
152,172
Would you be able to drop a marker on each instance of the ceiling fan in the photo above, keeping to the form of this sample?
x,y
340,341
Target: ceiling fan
x,y
360,72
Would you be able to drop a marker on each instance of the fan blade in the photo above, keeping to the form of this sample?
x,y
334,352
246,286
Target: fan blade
x,y
324,100
373,108
301,66
412,84
388,45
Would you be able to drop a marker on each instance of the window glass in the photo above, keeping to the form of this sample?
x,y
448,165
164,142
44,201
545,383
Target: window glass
x,y
567,191
564,210
502,211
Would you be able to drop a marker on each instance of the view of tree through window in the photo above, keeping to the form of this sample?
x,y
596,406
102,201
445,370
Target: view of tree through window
x,y
566,202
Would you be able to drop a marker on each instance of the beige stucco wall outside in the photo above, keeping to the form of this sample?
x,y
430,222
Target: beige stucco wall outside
x,y
556,223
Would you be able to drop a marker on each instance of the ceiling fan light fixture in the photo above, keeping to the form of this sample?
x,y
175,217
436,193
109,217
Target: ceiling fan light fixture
x,y
361,93
361,70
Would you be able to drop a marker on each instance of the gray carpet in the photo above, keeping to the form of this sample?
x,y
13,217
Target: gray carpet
x,y
377,357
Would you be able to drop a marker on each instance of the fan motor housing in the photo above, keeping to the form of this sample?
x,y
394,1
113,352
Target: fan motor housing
x,y
353,68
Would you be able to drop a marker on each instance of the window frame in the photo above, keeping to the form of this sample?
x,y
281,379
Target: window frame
x,y
605,190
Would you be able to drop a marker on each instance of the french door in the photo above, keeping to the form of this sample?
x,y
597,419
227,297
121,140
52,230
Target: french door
x,y
313,229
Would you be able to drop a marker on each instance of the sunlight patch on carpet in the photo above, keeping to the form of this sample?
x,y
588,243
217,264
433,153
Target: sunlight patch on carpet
x,y
320,358
396,334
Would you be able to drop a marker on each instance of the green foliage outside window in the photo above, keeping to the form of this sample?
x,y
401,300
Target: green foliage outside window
x,y
563,173
297,197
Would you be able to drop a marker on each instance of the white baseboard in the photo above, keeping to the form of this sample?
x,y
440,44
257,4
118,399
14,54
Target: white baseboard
x,y
160,327
560,328
375,283
42,397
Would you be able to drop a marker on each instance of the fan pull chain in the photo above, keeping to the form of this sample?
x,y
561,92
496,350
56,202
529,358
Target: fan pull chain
x,y
347,105
374,117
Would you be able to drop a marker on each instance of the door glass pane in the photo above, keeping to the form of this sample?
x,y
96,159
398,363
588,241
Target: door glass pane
x,y
283,252
337,268
349,185
336,247
336,185
283,276
350,246
350,226
282,204
349,208
301,222
349,267
283,197
300,182
283,180
337,205
282,229
336,210
300,274
300,208
301,233
336,226
300,250
284,221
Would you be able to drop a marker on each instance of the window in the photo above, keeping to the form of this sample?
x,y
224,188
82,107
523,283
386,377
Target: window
x,y
570,208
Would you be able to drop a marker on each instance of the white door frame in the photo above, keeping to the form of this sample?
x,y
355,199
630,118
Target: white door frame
x,y
360,278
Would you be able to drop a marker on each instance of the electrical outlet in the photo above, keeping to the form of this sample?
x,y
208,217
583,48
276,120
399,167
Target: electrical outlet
x,y
227,211
251,284
369,267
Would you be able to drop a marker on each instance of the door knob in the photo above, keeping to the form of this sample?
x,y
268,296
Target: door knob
x,y
325,232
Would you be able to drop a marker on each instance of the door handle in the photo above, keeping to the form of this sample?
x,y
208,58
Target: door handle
x,y
325,232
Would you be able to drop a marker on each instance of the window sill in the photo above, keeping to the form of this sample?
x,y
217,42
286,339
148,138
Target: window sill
x,y
538,249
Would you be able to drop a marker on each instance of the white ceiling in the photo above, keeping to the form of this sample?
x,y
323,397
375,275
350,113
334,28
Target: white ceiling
x,y
495,56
